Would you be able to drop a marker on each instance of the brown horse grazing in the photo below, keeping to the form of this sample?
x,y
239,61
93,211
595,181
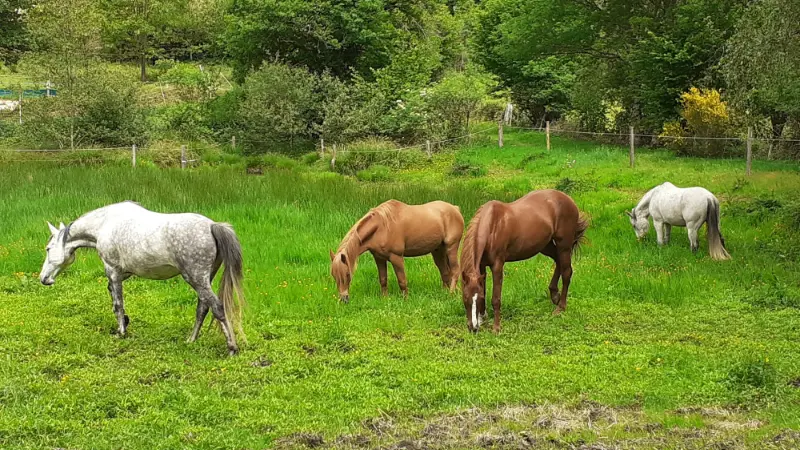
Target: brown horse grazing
x,y
394,230
546,222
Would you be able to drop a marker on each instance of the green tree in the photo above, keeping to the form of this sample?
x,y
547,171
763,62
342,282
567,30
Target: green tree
x,y
762,62
14,37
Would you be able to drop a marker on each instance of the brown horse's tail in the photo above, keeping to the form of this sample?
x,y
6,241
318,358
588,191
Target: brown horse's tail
x,y
580,231
716,243
230,288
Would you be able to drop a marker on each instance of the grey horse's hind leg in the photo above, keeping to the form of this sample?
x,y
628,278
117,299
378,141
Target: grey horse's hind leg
x,y
202,308
210,299
693,240
115,279
200,317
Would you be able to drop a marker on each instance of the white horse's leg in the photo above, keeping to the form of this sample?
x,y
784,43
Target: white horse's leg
x,y
115,279
202,308
200,317
659,226
207,296
667,232
692,230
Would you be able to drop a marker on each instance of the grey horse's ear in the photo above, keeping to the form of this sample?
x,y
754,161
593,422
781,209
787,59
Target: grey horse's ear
x,y
53,230
61,225
629,213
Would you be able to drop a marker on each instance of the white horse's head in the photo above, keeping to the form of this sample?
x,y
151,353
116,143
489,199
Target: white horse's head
x,y
59,257
640,223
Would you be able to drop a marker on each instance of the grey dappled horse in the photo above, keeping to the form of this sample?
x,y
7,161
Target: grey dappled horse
x,y
132,240
685,207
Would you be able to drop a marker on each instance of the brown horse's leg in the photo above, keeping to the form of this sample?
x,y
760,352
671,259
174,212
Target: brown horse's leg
x,y
452,263
440,259
383,274
497,290
482,294
565,262
551,251
400,271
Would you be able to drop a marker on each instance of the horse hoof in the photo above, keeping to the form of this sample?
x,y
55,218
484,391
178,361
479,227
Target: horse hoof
x,y
557,311
233,351
555,298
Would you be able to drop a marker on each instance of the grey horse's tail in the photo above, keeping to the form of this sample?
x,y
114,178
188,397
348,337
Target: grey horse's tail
x,y
230,288
716,243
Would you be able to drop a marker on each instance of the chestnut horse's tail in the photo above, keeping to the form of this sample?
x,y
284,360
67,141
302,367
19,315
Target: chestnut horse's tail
x,y
580,231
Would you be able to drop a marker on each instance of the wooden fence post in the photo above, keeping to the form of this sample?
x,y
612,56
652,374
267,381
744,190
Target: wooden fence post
x,y
547,133
183,156
233,142
633,149
749,149
428,148
500,133
321,148
20,107
133,155
333,159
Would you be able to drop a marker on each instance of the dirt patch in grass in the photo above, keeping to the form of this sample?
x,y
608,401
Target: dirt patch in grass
x,y
586,425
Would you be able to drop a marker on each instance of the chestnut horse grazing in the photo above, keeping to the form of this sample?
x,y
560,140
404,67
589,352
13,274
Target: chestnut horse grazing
x,y
546,222
394,230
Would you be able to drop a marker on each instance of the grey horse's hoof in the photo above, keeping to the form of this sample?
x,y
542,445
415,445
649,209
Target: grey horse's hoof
x,y
233,351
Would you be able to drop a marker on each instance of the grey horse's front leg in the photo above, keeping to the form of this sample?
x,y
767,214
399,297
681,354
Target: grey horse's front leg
x,y
115,279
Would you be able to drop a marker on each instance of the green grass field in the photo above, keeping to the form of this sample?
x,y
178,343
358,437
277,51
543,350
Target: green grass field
x,y
658,348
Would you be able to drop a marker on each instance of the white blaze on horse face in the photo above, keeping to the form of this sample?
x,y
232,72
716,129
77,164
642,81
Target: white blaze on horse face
x,y
475,323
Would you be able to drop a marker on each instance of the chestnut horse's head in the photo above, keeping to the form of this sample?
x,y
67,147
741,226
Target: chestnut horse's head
x,y
342,273
474,296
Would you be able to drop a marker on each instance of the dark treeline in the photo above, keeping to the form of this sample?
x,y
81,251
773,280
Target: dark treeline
x,y
406,70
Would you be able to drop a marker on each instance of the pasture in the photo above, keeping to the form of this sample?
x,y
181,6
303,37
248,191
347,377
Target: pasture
x,y
658,347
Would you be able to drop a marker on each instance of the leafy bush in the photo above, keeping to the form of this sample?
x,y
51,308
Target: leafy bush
x,y
193,82
453,102
100,108
310,158
464,165
703,114
279,105
375,173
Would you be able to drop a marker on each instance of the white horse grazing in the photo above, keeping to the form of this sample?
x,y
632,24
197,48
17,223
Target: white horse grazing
x,y
132,240
684,207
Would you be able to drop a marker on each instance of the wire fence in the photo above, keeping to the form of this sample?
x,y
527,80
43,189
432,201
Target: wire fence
x,y
191,154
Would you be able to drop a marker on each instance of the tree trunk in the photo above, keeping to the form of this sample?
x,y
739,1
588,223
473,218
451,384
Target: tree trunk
x,y
143,67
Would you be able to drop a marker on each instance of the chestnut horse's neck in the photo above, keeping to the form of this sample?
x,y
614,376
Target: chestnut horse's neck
x,y
476,238
360,238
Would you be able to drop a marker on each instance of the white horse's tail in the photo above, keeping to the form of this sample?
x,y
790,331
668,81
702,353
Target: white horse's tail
x,y
716,243
230,288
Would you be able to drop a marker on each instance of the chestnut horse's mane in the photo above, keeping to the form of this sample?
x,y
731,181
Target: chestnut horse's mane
x,y
469,250
352,240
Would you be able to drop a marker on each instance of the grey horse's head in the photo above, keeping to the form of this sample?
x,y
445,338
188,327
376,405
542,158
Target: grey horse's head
x,y
640,223
59,257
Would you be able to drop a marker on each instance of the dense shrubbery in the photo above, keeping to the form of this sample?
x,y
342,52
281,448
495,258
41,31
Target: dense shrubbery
x,y
703,114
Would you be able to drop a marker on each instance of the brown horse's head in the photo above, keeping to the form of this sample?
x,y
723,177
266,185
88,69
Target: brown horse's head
x,y
342,273
474,295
